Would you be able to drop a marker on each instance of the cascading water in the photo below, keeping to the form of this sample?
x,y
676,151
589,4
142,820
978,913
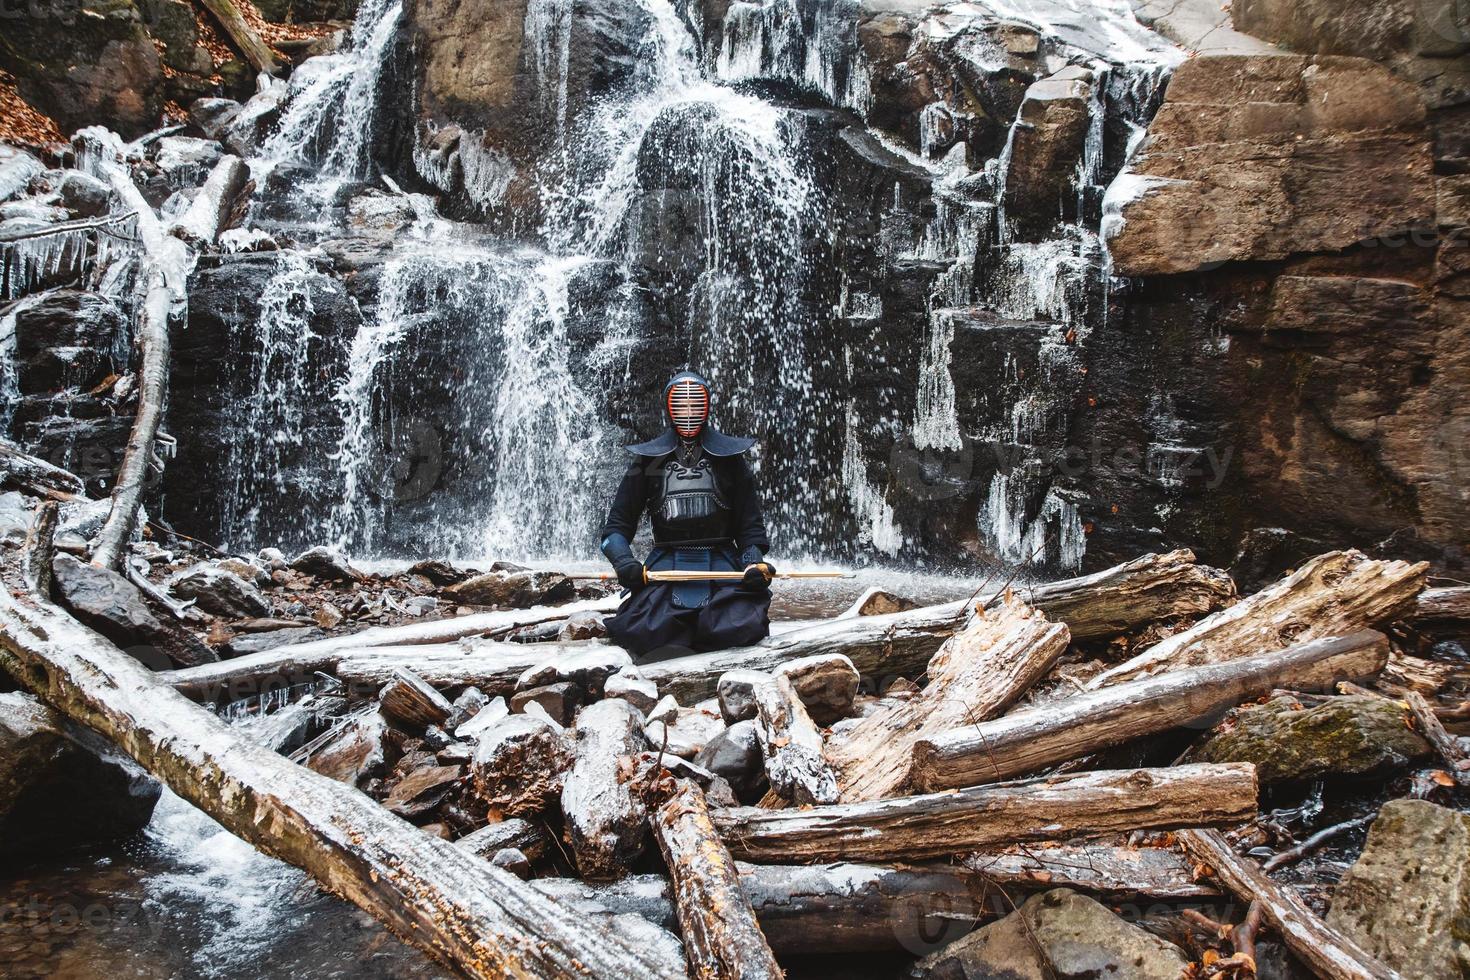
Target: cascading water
x,y
685,205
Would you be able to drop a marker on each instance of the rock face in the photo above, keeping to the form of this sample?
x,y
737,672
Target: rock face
x,y
1262,157
1348,735
61,787
1055,934
1407,899
1050,133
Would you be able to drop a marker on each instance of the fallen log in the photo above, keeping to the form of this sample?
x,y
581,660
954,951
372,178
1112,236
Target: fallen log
x,y
1327,951
1154,872
822,908
721,937
1448,747
895,644
209,212
31,474
439,897
606,818
1032,739
977,674
244,38
281,667
1442,609
1334,594
1050,808
791,744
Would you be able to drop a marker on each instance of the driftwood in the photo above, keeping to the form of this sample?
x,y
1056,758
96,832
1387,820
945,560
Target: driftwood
x,y
1028,740
978,673
1327,951
281,667
22,471
721,937
413,703
127,492
1155,872
1334,594
1442,609
243,37
1149,588
606,818
209,212
1428,677
848,907
465,914
1051,808
41,549
791,744
1448,747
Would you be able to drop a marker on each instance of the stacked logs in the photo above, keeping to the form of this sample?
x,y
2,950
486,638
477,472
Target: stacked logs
x,y
774,799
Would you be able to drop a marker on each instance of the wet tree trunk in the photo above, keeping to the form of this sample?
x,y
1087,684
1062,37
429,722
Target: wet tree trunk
x,y
439,897
1026,741
1052,808
721,938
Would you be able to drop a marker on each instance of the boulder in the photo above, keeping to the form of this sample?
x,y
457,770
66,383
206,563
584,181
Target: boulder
x,y
736,689
84,195
17,169
356,753
1258,157
86,63
61,786
68,318
219,591
212,116
735,756
1348,735
186,160
15,518
515,590
1407,899
560,700
114,607
633,688
519,764
325,563
1055,934
583,626
1048,139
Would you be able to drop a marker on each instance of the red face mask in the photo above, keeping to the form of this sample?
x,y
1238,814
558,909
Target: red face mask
x,y
688,407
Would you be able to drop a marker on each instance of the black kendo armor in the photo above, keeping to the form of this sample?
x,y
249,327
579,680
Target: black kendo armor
x,y
689,507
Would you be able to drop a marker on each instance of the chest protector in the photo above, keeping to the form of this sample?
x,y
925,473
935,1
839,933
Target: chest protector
x,y
690,507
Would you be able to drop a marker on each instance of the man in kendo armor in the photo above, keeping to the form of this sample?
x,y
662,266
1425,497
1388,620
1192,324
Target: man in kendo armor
x,y
701,499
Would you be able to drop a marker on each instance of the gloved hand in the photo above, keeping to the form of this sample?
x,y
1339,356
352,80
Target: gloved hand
x,y
758,576
630,575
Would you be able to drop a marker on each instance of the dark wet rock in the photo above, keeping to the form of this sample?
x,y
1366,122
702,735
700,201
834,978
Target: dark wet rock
x,y
1049,137
1055,934
1348,735
212,116
437,571
87,63
736,689
518,590
560,700
68,318
186,160
1407,899
62,787
512,860
326,563
114,607
84,195
735,756
633,688
220,591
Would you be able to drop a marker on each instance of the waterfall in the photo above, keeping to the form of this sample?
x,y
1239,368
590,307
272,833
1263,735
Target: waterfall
x,y
267,420
333,100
